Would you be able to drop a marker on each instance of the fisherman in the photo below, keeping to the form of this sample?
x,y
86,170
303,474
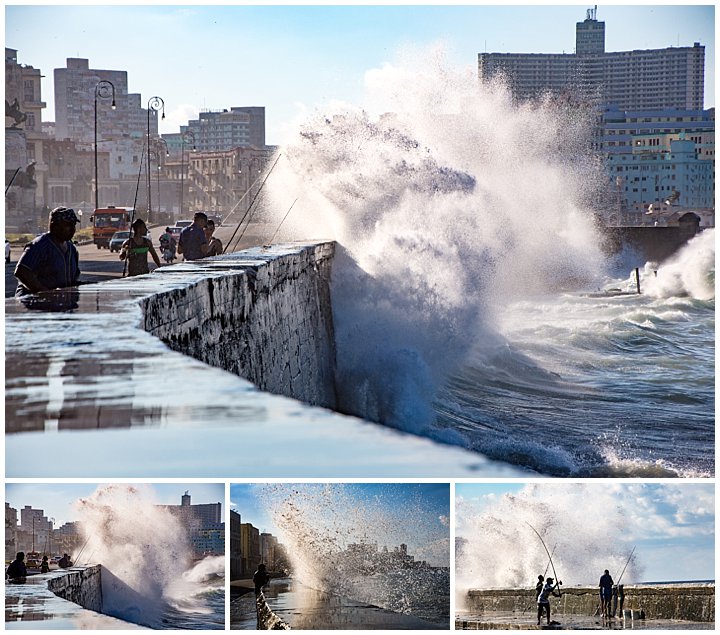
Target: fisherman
x,y
540,584
65,562
215,247
260,578
50,261
193,244
17,571
606,586
543,600
619,599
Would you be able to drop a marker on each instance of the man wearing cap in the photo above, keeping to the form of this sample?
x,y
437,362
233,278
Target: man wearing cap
x,y
193,243
50,261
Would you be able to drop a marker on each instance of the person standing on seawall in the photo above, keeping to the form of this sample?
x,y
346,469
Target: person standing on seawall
x,y
606,585
50,261
193,244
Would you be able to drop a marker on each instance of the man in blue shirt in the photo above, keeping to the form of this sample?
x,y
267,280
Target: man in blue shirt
x,y
51,260
193,243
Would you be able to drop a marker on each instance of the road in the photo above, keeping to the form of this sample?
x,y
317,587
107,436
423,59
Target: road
x,y
97,265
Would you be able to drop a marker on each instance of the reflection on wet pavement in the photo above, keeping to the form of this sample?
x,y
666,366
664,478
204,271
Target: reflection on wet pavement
x,y
307,609
29,604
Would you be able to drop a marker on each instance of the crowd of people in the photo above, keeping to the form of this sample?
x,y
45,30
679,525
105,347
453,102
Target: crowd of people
x,y
51,260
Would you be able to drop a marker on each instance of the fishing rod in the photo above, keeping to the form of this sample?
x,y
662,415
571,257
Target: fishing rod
x,y
132,216
83,549
281,222
548,564
557,581
625,567
544,574
250,207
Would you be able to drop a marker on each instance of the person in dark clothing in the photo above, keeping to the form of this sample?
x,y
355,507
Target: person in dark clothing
x,y
606,585
17,571
50,261
539,586
260,578
45,566
215,247
65,562
193,244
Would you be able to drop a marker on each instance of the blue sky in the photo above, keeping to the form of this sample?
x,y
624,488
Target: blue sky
x,y
400,500
672,525
294,58
57,499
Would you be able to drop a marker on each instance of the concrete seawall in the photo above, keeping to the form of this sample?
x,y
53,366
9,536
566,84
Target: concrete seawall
x,y
83,587
138,377
691,602
271,324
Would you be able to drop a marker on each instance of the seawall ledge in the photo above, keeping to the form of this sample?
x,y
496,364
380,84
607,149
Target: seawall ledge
x,y
92,391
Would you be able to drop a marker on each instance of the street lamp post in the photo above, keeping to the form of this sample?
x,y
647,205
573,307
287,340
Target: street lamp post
x,y
187,136
158,145
103,90
154,105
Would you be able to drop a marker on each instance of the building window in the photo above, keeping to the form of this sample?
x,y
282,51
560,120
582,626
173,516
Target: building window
x,y
29,90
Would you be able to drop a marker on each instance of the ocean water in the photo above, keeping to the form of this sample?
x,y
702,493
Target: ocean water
x,y
469,284
344,545
149,574
581,384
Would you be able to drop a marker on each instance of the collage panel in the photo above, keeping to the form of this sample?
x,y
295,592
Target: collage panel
x,y
115,556
340,556
585,556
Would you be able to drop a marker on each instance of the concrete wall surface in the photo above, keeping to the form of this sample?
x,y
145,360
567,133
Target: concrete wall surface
x,y
270,323
692,602
81,586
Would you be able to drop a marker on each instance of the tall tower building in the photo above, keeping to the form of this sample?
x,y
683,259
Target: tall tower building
x,y
75,96
590,35
653,79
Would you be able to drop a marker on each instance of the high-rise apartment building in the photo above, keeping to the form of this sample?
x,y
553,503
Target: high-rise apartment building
x,y
652,79
238,127
75,99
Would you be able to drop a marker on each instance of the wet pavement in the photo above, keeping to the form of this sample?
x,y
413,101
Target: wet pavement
x,y
92,393
307,609
499,620
33,606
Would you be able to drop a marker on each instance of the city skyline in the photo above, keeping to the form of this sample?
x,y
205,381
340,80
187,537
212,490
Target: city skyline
x,y
57,499
339,46
671,526
426,503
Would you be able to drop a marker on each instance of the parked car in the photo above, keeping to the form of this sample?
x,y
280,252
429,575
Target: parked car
x,y
117,240
183,223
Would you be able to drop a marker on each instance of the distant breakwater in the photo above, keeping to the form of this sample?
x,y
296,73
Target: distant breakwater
x,y
691,602
650,243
